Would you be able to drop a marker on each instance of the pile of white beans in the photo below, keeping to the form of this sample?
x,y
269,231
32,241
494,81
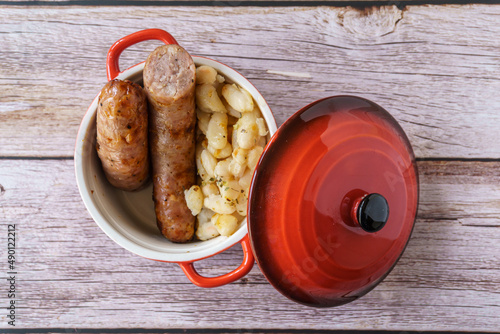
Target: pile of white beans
x,y
231,137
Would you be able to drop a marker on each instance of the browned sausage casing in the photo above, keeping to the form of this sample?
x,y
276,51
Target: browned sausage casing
x,y
169,81
122,134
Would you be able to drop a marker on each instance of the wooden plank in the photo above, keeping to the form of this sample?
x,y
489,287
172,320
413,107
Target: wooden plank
x,y
435,68
217,2
71,275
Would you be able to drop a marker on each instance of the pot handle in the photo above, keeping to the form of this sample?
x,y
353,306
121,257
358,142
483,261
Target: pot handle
x,y
212,282
116,49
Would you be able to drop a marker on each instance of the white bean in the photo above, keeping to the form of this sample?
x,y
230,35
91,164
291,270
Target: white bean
x,y
236,168
217,131
218,204
234,136
221,154
246,179
210,189
205,215
206,230
254,156
238,98
247,131
220,78
241,205
209,162
205,75
230,110
203,119
199,165
208,100
194,199
222,168
238,216
229,190
225,224
261,124
241,155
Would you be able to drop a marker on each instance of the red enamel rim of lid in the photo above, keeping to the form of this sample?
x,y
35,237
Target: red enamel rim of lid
x,y
318,165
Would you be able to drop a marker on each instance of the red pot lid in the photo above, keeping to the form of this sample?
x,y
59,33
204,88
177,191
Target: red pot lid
x,y
333,201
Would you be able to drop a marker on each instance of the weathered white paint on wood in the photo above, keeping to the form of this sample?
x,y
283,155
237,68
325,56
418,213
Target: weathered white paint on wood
x,y
435,68
71,275
223,2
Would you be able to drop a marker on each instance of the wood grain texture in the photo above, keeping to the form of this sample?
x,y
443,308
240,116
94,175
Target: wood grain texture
x,y
218,2
435,68
71,275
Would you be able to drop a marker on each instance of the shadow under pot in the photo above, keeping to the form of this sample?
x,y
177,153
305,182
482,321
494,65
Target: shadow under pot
x,y
333,201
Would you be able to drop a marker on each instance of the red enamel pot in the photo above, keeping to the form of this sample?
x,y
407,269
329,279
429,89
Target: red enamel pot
x,y
128,218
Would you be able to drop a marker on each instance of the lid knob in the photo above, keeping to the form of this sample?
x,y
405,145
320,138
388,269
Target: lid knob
x,y
372,212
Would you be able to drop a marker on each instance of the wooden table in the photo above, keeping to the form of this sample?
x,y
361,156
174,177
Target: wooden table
x,y
435,68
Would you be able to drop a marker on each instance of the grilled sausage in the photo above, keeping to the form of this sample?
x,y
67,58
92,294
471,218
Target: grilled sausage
x,y
122,134
169,81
